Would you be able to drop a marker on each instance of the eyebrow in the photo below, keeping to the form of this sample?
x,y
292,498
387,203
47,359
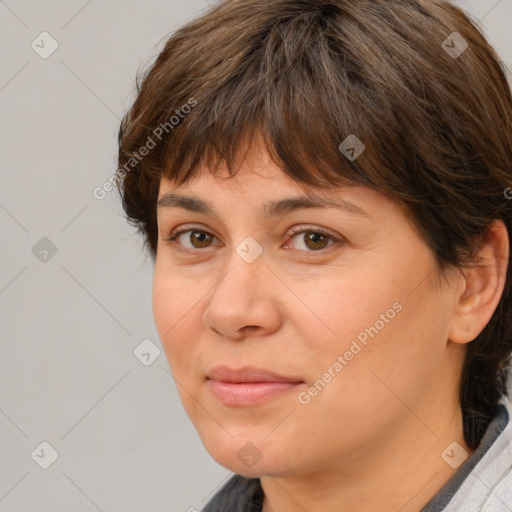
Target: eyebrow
x,y
269,209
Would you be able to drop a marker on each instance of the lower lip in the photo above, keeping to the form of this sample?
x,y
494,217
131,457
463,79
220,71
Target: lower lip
x,y
249,393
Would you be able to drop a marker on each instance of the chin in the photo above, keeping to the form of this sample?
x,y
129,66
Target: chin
x,y
251,459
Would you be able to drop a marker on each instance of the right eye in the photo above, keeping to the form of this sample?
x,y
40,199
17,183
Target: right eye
x,y
192,238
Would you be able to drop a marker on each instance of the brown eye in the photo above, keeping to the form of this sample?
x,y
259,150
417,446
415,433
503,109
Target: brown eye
x,y
315,241
310,240
192,238
200,239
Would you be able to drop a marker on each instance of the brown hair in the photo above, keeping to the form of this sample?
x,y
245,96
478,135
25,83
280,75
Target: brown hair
x,y
306,74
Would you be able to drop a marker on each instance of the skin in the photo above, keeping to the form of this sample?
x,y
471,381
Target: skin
x,y
372,439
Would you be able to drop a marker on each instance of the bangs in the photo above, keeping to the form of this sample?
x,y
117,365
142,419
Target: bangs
x,y
306,102
312,158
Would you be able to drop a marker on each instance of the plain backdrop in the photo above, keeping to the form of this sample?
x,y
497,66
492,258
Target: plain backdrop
x,y
75,285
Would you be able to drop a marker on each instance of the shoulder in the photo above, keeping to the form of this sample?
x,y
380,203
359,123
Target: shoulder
x,y
489,485
239,494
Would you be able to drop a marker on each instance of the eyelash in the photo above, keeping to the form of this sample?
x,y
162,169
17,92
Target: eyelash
x,y
294,231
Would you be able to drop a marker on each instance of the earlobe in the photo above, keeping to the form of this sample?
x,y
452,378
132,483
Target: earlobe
x,y
482,286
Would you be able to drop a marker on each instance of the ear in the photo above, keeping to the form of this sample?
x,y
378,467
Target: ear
x,y
481,286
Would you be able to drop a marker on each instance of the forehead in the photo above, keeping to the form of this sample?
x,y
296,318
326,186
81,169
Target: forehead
x,y
246,181
260,184
252,164
270,201
255,167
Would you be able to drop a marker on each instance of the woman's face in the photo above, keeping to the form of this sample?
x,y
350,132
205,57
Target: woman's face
x,y
299,336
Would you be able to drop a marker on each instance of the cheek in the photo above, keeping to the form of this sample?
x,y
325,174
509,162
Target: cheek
x,y
375,323
401,357
177,320
380,374
341,310
163,301
173,297
174,315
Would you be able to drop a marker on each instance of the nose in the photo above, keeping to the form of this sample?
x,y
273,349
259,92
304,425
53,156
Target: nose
x,y
244,302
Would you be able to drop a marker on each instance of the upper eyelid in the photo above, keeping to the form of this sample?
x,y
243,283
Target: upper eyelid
x,y
293,231
192,227
313,228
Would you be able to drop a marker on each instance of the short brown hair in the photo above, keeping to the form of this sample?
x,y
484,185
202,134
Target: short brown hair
x,y
306,74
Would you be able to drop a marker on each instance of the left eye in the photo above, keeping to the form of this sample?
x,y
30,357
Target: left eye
x,y
313,240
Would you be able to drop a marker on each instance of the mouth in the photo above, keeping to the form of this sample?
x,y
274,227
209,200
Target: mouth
x,y
249,385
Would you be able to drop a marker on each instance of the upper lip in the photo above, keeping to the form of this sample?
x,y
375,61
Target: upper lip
x,y
247,374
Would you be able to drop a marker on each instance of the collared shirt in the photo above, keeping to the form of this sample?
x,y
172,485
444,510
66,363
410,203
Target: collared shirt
x,y
483,483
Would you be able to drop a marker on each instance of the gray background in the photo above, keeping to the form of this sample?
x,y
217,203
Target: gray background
x,y
71,320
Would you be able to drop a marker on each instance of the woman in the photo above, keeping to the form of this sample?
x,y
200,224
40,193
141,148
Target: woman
x,y
323,187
